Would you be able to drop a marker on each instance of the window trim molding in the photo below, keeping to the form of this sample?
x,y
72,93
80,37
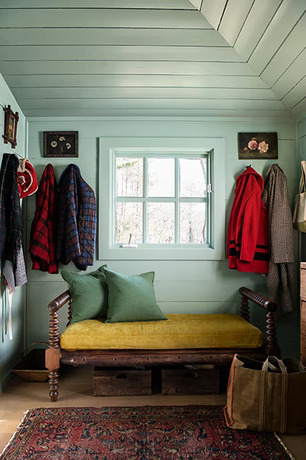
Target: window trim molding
x,y
107,147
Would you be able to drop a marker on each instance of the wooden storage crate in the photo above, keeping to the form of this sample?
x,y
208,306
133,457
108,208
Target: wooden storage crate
x,y
121,382
186,381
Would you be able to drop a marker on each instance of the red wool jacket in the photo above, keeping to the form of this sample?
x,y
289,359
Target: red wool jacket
x,y
247,237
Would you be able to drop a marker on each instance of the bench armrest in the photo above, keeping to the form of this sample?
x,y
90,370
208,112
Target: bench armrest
x,y
258,299
59,302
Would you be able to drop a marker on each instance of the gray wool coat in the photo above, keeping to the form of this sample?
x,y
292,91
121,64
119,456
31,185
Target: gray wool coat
x,y
282,277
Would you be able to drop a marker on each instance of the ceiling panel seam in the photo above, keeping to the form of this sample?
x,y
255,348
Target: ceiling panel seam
x,y
128,74
102,27
243,24
297,103
118,46
196,109
304,98
292,88
122,60
288,67
170,106
222,15
138,86
149,8
151,97
109,28
262,35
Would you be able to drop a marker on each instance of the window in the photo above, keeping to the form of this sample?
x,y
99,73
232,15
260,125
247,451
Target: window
x,y
161,199
158,199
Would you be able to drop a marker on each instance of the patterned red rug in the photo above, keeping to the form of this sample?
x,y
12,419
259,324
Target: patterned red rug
x,y
137,433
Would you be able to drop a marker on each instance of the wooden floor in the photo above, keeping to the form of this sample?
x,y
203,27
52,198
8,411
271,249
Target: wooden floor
x,y
76,391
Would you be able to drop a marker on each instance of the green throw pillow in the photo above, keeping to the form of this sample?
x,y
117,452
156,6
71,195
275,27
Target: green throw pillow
x,y
88,293
131,298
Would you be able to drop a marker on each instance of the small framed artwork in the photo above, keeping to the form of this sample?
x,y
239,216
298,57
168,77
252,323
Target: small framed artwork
x,y
60,144
10,126
258,146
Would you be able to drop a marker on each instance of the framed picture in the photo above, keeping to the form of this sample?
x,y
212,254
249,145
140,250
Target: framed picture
x,y
10,126
258,146
60,144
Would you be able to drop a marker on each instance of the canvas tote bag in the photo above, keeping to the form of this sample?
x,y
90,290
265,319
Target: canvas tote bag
x,y
269,396
299,214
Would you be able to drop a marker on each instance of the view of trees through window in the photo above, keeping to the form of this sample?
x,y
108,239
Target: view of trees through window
x,y
161,200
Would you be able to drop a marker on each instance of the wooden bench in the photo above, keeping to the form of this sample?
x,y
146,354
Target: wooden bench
x,y
150,358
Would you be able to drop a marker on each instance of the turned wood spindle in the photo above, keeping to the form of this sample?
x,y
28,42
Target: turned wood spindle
x,y
69,311
245,312
53,330
273,348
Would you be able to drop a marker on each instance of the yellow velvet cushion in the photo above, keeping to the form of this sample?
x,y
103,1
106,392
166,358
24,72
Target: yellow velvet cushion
x,y
180,331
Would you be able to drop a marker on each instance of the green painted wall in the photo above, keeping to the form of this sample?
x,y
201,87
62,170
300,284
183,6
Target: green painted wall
x,y
183,287
10,350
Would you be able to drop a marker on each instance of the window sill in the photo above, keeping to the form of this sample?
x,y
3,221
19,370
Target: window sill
x,y
155,253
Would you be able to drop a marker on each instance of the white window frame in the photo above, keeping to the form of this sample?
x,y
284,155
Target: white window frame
x,y
109,147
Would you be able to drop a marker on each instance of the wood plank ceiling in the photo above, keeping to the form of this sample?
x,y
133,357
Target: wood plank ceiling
x,y
155,57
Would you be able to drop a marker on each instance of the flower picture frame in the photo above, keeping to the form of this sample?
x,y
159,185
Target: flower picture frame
x,y
60,144
258,146
10,126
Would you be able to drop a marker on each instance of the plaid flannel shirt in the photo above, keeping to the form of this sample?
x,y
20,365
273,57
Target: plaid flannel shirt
x,y
77,219
43,230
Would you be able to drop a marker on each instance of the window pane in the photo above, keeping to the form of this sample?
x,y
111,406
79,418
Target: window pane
x,y
160,223
193,223
161,177
193,177
129,180
128,222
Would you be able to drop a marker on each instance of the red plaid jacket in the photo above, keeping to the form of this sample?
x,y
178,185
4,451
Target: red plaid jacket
x,y
43,230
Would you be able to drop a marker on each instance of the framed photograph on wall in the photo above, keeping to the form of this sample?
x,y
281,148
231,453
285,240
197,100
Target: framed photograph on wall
x,y
10,126
60,144
258,146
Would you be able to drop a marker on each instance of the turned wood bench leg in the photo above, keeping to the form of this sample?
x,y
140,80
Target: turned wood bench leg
x,y
53,385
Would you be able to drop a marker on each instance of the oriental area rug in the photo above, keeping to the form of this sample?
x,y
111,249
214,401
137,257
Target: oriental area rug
x,y
137,433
